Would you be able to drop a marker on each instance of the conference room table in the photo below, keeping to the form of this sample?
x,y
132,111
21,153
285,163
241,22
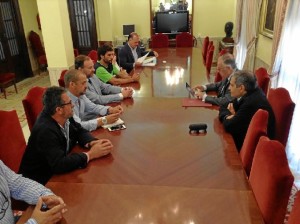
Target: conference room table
x,y
158,172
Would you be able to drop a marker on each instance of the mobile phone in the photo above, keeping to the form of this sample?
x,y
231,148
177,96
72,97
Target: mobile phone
x,y
117,127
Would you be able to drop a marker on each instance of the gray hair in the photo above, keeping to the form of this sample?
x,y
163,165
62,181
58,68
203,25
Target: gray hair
x,y
71,76
228,60
245,78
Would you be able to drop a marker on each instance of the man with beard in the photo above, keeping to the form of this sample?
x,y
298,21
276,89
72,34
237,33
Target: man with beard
x,y
54,135
97,91
85,111
106,71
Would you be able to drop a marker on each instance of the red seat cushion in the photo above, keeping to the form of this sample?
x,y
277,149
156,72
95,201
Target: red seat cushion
x,y
7,77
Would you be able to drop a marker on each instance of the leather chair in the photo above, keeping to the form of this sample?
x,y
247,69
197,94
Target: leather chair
x,y
271,180
184,40
263,79
257,128
159,40
209,58
205,48
283,108
33,104
93,55
12,140
61,80
7,80
295,213
38,50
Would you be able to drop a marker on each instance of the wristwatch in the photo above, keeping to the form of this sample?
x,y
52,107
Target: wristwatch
x,y
104,120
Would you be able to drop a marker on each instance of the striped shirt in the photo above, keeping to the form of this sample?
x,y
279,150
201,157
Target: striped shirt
x,y
20,188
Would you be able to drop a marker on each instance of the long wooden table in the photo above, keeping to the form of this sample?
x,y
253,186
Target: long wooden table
x,y
158,172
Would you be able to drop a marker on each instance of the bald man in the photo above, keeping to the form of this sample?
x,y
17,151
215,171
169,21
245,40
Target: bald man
x,y
131,51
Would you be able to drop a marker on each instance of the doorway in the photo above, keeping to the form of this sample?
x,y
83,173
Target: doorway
x,y
13,49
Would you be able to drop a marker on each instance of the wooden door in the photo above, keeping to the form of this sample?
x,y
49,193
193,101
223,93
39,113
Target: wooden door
x,y
83,26
13,49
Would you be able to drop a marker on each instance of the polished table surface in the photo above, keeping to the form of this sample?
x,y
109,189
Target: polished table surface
x,y
158,172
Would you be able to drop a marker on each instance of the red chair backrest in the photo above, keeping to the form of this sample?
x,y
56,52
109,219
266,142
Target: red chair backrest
x,y
76,52
295,213
283,108
263,79
159,40
61,80
36,44
33,104
257,128
12,140
184,40
222,52
93,55
204,48
209,58
271,180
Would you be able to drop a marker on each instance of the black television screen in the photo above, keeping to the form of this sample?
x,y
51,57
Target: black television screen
x,y
172,22
128,29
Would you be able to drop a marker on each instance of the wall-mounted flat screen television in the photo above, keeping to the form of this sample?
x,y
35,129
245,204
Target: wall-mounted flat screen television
x,y
172,22
128,29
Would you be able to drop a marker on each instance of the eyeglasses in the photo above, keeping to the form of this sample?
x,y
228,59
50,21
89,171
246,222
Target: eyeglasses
x,y
64,104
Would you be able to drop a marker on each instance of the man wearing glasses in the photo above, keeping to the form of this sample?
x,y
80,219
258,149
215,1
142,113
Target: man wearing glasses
x,y
226,67
54,135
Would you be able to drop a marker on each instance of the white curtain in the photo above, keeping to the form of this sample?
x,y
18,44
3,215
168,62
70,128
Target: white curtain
x,y
246,43
287,63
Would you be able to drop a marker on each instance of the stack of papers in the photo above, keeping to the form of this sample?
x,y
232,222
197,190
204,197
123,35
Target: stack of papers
x,y
150,61
119,121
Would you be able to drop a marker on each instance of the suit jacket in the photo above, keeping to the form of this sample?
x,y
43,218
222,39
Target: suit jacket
x,y
46,152
126,59
223,93
101,93
245,108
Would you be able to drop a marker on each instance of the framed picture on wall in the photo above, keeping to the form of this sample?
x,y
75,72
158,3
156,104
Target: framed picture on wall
x,y
267,17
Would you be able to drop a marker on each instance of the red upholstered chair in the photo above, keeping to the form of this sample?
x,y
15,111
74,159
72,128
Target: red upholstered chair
x,y
184,40
61,80
159,40
295,213
205,48
257,128
7,80
263,79
283,108
38,49
209,58
12,140
93,55
33,104
271,180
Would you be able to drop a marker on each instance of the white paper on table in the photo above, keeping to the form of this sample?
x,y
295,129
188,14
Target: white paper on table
x,y
119,121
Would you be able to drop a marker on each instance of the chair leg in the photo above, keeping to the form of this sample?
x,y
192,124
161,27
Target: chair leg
x,y
15,86
4,92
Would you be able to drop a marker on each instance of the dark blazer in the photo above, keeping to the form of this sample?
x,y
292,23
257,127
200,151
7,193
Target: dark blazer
x,y
245,108
46,153
223,93
126,59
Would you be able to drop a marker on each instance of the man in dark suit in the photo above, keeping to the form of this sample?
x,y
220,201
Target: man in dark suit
x,y
226,67
248,98
54,135
131,51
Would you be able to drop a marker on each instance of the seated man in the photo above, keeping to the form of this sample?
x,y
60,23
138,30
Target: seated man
x,y
131,51
108,72
54,135
21,188
85,111
226,67
248,98
97,91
